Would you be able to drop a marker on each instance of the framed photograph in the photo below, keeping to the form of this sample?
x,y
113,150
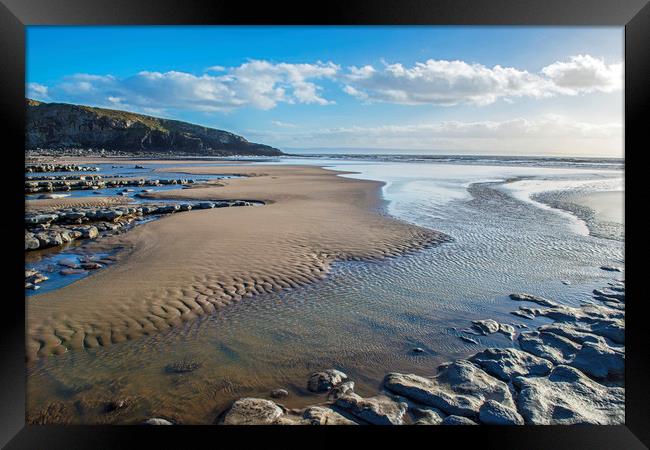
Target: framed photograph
x,y
383,215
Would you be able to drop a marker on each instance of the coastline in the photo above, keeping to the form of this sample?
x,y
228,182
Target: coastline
x,y
184,266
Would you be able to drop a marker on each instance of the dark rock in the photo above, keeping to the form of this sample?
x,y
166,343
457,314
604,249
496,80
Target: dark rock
x,y
326,380
378,410
182,367
457,420
506,363
556,349
611,268
600,361
532,298
279,393
494,413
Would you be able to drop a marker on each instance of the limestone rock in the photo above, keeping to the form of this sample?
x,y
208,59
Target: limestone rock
x,y
494,413
318,415
567,397
532,298
486,326
157,421
556,349
457,420
506,363
252,411
325,380
459,389
279,393
428,416
377,410
598,360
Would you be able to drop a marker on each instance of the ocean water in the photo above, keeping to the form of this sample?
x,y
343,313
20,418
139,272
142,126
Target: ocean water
x,y
364,318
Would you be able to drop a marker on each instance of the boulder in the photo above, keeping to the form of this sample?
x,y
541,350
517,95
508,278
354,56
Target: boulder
x,y
457,420
157,421
486,326
600,361
378,410
494,413
31,243
41,218
532,298
325,380
72,272
279,393
556,349
346,387
459,389
507,330
572,331
428,416
252,411
610,294
506,363
319,415
568,397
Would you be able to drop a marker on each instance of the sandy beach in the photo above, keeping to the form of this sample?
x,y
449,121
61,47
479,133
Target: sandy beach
x,y
65,202
186,265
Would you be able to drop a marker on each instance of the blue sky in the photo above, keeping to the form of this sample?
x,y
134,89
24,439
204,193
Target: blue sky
x,y
497,90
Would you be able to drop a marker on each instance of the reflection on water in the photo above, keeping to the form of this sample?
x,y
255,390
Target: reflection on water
x,y
365,318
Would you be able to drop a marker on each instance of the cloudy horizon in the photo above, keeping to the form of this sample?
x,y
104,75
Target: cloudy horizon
x,y
527,99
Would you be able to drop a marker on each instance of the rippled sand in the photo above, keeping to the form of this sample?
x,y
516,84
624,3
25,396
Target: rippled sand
x,y
187,265
75,202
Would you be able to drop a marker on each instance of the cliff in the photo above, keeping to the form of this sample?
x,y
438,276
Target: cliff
x,y
66,126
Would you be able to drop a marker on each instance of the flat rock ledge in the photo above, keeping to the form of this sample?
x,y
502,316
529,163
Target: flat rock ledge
x,y
56,227
564,373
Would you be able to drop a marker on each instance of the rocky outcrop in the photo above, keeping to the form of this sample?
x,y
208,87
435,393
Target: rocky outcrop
x,y
567,397
48,228
252,411
506,363
460,388
377,410
326,380
557,377
65,126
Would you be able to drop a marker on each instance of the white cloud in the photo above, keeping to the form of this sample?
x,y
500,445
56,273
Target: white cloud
x,y
258,84
37,91
263,84
542,133
281,124
447,83
584,73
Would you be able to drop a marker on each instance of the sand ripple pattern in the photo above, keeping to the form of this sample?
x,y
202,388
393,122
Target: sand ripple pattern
x,y
182,267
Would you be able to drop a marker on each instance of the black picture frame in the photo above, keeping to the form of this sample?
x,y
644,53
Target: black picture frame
x,y
634,15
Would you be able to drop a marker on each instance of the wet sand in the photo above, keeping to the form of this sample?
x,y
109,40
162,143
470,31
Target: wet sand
x,y
75,202
187,265
607,206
